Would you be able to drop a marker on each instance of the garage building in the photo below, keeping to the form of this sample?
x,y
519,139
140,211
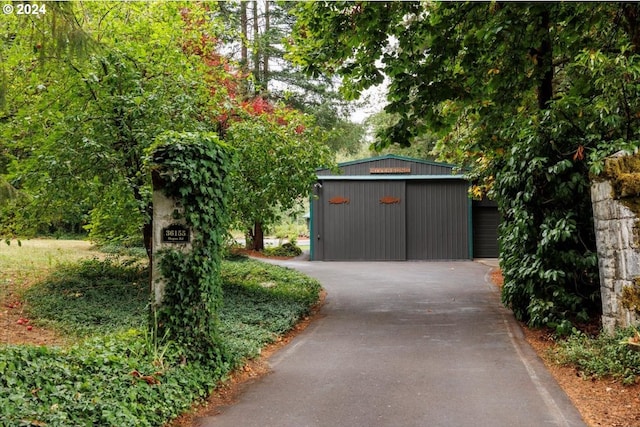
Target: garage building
x,y
394,208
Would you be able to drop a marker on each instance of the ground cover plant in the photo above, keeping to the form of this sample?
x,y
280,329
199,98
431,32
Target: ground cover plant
x,y
115,373
92,297
606,355
112,380
260,303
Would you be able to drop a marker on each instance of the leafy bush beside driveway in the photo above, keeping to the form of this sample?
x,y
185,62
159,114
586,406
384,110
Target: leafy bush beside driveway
x,y
603,356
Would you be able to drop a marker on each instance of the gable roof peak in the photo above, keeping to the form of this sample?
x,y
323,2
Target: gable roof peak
x,y
395,157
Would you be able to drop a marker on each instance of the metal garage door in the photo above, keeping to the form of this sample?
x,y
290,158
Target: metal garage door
x,y
437,220
485,232
363,220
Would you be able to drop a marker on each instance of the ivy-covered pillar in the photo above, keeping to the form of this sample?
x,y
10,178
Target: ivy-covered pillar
x,y
170,232
189,173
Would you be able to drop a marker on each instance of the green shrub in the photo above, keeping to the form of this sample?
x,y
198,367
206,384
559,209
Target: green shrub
x,y
289,231
116,219
547,242
92,297
602,356
285,250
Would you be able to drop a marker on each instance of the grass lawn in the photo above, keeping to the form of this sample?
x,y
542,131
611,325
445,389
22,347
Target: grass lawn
x,y
112,372
23,262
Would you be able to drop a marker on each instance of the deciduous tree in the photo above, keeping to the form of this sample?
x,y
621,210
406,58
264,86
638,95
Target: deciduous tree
x,y
277,153
531,96
85,99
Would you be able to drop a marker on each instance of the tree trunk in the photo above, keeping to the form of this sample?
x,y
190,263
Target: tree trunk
x,y
258,237
265,48
147,236
254,237
631,13
147,211
256,44
244,52
545,62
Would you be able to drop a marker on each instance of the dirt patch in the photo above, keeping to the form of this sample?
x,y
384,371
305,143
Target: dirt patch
x,y
496,277
17,327
601,402
257,254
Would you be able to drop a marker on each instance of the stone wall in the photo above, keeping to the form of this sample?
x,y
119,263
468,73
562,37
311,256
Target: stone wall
x,y
618,245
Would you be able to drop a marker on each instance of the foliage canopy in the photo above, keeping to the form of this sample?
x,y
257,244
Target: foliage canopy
x,y
87,88
275,166
531,96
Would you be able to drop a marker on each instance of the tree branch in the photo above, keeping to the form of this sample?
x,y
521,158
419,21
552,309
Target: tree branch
x,y
84,79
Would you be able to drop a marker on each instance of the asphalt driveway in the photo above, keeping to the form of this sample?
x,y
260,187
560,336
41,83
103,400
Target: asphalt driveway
x,y
404,344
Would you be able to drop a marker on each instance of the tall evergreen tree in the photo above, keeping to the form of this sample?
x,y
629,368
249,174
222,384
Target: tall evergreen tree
x,y
264,26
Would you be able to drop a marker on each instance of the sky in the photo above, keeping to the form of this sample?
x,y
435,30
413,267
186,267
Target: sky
x,y
373,101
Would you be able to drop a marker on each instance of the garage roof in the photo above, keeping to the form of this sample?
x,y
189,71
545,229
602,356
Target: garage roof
x,y
388,177
391,167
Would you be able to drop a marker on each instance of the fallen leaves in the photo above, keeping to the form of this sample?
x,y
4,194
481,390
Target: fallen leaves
x,y
149,379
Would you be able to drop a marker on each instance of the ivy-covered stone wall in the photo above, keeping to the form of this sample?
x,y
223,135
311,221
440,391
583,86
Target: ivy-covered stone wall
x,y
617,226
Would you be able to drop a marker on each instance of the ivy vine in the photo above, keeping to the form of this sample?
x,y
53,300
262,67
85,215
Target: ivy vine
x,y
192,168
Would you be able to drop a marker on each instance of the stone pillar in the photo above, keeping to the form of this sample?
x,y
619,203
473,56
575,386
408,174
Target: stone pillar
x,y
618,246
169,232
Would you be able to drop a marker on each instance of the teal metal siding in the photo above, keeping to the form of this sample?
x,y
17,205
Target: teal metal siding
x,y
416,166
